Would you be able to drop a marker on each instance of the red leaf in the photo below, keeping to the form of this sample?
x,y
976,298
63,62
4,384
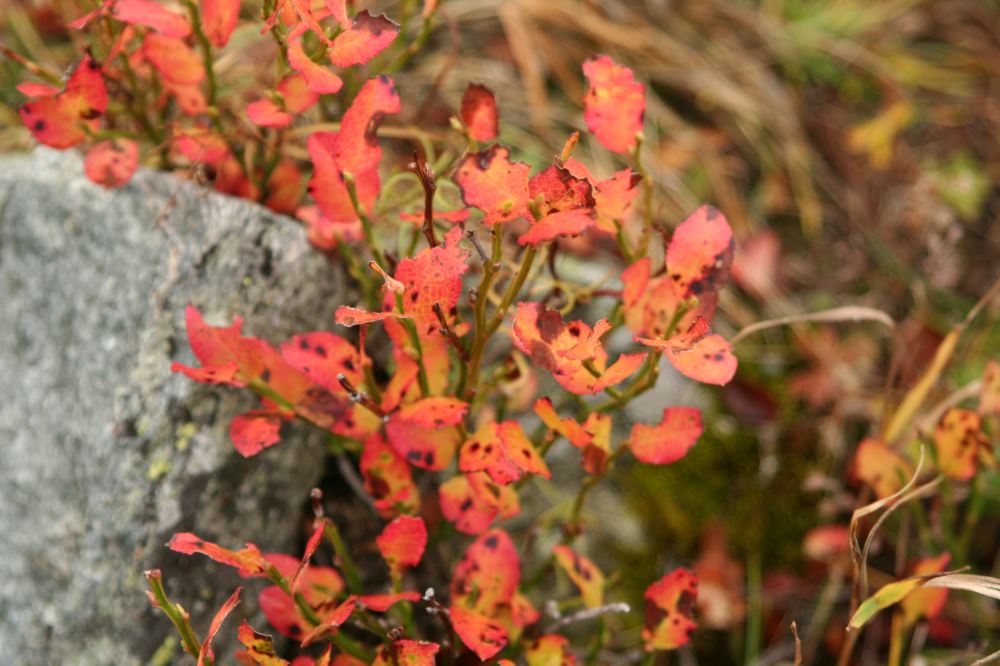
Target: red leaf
x,y
669,602
311,546
318,78
338,10
558,190
492,183
388,479
584,574
190,98
173,59
319,585
432,277
254,431
406,653
200,145
327,185
487,577
330,621
356,146
670,440
248,561
480,634
614,104
380,603
503,451
542,335
296,94
206,648
429,449
555,225
259,646
366,37
34,89
281,612
710,361
479,113
453,216
111,163
402,543
57,120
224,351
700,253
265,113
152,15
323,356
462,506
218,20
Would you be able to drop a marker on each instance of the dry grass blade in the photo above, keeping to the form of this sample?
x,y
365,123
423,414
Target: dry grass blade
x,y
845,313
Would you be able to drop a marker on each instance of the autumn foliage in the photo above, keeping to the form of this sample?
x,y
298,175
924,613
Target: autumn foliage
x,y
445,383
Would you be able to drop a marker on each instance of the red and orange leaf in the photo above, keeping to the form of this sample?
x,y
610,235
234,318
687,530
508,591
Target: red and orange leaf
x,y
256,430
542,335
463,507
520,450
503,452
614,198
218,20
57,120
556,189
556,225
206,647
200,145
366,37
567,427
434,412
282,613
428,449
338,10
265,113
635,278
502,498
311,546
296,94
492,183
406,653
710,360
670,440
331,620
225,351
260,647
478,632
923,602
432,277
584,574
596,453
318,78
700,253
348,316
479,113
356,148
380,603
173,59
327,185
959,441
151,15
248,561
452,216
388,479
669,602
549,650
884,470
323,357
190,99
34,89
111,163
402,543
614,104
488,574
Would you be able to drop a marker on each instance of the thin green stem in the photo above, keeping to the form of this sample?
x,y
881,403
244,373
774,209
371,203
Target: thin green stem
x,y
173,611
343,558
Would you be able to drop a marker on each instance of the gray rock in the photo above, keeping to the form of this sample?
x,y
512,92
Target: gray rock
x,y
105,453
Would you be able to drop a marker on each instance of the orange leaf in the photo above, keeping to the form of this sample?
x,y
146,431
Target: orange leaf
x,y
503,451
254,431
492,183
57,120
584,574
111,163
925,602
479,113
434,412
557,189
206,648
259,646
296,94
406,653
669,441
433,277
709,360
479,633
318,78
555,225
959,439
356,146
488,574
429,449
881,468
614,104
388,479
469,511
265,113
669,601
218,20
700,253
366,37
549,650
173,59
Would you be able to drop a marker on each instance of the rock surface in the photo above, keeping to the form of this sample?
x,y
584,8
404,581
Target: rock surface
x,y
105,453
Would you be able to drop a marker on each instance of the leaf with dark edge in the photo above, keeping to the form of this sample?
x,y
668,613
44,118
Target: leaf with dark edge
x,y
248,562
479,633
492,183
366,37
260,647
669,602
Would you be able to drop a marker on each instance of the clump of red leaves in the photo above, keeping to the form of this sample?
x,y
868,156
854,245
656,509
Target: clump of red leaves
x,y
430,452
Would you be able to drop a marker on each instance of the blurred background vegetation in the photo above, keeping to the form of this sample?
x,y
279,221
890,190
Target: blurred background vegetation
x,y
854,145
